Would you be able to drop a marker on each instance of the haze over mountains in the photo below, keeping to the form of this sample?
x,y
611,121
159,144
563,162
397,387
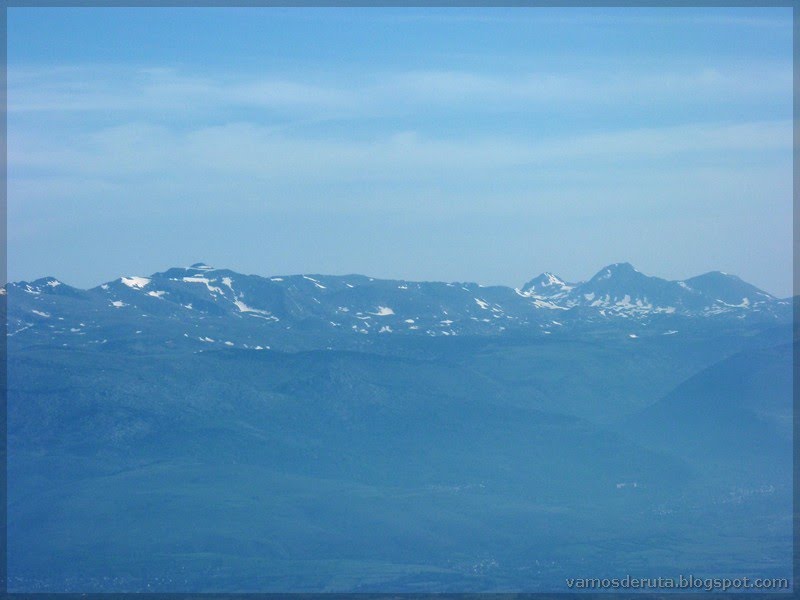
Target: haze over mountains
x,y
203,430
204,305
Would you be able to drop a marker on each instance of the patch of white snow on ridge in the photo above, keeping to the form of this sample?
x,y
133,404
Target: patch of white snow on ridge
x,y
625,302
552,280
482,304
54,283
156,294
383,311
670,332
315,282
135,282
118,304
40,313
545,304
227,281
206,281
632,336
248,309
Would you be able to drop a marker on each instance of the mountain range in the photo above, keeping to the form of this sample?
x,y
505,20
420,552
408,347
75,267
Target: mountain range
x,y
200,305
200,430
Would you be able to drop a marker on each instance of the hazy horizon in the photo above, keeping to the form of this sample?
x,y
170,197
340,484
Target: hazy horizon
x,y
346,273
484,145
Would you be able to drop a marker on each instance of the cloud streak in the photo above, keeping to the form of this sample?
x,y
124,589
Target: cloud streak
x,y
166,90
247,149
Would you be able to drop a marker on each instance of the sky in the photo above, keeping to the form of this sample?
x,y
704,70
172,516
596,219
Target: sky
x,y
462,144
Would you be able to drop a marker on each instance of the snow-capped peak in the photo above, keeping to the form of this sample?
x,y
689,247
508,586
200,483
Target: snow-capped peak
x,y
545,284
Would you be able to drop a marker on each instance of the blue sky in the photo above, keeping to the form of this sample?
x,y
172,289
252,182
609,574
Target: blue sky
x,y
479,145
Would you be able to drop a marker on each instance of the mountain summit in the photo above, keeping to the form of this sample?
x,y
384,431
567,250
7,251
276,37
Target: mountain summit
x,y
545,284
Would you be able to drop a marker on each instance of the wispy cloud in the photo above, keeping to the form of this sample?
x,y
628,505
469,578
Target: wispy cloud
x,y
250,152
107,89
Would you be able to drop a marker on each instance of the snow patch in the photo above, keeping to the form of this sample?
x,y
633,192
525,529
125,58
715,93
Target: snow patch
x,y
247,309
545,304
207,283
315,282
552,280
135,282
